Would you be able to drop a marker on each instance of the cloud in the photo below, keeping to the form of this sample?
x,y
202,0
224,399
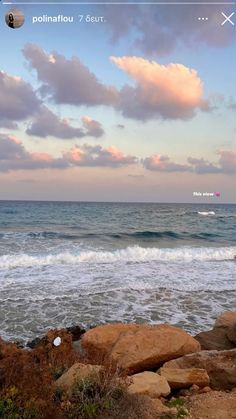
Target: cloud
x,y
94,128
226,164
68,81
161,163
17,100
93,156
158,30
46,123
168,91
227,161
14,156
203,166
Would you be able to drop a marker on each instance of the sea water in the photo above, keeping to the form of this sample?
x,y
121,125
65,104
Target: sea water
x,y
64,263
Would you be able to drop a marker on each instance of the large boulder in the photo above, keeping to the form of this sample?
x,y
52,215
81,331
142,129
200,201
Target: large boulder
x,y
216,338
222,336
78,372
135,348
150,384
226,319
184,378
220,366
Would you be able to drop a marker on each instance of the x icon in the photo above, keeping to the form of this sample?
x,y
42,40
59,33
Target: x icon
x,y
227,19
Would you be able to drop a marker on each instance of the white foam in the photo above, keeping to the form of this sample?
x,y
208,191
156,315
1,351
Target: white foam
x,y
134,254
206,212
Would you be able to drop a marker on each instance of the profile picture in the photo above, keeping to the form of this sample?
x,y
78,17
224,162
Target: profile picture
x,y
15,18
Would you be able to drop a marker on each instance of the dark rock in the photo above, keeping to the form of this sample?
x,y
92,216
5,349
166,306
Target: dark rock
x,y
34,343
76,332
231,334
215,339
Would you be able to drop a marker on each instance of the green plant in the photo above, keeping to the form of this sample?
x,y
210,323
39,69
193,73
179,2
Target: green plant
x,y
95,396
179,404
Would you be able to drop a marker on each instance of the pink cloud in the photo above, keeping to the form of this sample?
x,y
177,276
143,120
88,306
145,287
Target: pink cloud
x,y
226,164
161,163
171,91
92,156
14,156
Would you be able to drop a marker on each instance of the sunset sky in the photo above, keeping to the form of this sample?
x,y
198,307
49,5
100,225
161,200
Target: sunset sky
x,y
141,107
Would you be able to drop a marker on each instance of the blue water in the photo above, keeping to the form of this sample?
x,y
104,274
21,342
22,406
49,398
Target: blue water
x,y
88,263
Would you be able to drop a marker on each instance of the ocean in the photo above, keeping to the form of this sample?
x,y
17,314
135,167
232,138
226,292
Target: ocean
x,y
65,263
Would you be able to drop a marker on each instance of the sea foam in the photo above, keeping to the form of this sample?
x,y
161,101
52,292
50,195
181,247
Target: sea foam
x,y
135,254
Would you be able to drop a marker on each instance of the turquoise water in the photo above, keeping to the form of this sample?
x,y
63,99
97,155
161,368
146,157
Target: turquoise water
x,y
68,263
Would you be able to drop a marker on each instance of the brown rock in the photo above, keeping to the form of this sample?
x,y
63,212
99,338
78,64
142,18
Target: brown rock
x,y
184,378
215,339
220,366
205,390
150,384
135,348
227,319
77,372
231,334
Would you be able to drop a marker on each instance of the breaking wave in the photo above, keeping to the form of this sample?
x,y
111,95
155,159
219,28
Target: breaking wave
x,y
135,254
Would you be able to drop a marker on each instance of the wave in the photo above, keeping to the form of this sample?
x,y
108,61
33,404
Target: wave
x,y
139,235
135,254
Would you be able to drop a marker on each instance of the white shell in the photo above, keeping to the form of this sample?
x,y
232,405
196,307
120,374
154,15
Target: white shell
x,y
57,341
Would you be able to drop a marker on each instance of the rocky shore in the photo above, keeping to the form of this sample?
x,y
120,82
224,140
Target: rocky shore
x,y
122,371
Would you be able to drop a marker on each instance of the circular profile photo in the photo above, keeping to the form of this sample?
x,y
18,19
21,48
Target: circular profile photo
x,y
15,18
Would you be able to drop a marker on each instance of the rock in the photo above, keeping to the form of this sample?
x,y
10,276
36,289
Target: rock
x,y
194,389
34,343
135,348
76,332
231,334
227,319
215,339
150,384
220,366
77,372
206,389
184,378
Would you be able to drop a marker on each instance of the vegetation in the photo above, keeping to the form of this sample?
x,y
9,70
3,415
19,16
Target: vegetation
x,y
27,387
179,404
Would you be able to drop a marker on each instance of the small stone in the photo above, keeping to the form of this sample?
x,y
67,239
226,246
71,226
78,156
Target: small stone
x,y
194,388
205,390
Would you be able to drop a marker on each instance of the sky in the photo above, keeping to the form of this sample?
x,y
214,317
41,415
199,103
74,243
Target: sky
x,y
137,106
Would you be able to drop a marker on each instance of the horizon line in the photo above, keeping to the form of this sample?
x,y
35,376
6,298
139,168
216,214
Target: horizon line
x,y
116,202
122,3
